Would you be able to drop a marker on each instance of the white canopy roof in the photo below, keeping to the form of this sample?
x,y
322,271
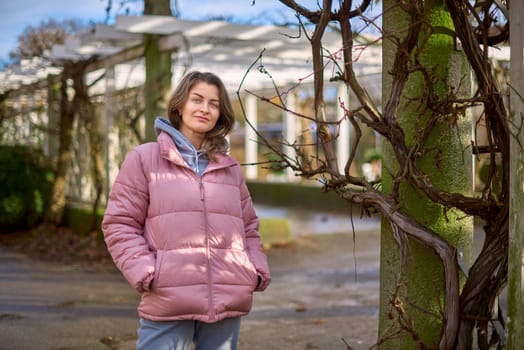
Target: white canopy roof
x,y
225,48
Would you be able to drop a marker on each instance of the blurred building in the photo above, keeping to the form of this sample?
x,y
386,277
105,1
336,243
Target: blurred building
x,y
267,69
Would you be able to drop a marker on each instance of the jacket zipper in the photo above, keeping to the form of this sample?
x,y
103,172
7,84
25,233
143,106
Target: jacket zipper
x,y
208,251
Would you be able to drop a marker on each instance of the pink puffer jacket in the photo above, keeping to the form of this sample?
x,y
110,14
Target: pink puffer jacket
x,y
190,245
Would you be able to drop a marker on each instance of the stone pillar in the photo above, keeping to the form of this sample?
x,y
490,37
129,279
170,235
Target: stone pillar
x,y
516,221
422,275
343,139
290,128
251,138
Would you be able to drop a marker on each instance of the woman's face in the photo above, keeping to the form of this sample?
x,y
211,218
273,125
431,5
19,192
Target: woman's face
x,y
200,112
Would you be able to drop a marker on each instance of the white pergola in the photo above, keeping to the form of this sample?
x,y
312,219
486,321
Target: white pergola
x,y
234,51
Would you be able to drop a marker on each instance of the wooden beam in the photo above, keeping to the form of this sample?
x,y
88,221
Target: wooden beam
x,y
125,55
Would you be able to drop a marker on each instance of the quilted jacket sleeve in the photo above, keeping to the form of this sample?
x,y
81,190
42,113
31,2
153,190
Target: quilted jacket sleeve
x,y
123,223
254,245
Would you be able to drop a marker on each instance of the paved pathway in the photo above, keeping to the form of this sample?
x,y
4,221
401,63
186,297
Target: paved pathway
x,y
44,306
315,299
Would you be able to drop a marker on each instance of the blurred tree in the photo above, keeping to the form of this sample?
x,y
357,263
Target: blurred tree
x,y
35,40
126,7
72,78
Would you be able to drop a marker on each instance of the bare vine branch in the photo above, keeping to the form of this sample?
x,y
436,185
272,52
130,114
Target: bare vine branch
x,y
475,28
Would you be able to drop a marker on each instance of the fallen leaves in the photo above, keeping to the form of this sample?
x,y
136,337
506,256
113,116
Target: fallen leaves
x,y
60,245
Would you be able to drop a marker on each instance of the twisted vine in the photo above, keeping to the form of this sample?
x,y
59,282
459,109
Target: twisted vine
x,y
472,307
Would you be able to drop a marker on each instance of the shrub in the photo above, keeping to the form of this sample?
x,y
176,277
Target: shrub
x,y
275,231
26,179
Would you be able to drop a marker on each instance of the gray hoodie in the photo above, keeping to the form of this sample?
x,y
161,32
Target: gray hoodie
x,y
195,159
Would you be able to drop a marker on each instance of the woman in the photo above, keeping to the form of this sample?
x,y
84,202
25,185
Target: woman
x,y
181,227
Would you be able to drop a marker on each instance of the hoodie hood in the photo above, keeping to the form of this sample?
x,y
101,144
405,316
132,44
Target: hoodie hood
x,y
195,159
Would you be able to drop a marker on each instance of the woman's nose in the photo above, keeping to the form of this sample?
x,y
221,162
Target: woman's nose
x,y
205,107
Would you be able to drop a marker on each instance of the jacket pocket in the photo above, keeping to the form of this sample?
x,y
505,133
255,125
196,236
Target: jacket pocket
x,y
158,266
252,271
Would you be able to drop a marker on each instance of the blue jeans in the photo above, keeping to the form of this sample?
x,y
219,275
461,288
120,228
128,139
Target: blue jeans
x,y
179,335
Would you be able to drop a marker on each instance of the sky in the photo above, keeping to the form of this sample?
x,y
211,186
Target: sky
x,y
16,15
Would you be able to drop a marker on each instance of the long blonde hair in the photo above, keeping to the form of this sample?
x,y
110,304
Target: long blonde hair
x,y
215,139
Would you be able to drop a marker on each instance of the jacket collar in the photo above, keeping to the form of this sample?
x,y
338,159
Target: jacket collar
x,y
169,151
